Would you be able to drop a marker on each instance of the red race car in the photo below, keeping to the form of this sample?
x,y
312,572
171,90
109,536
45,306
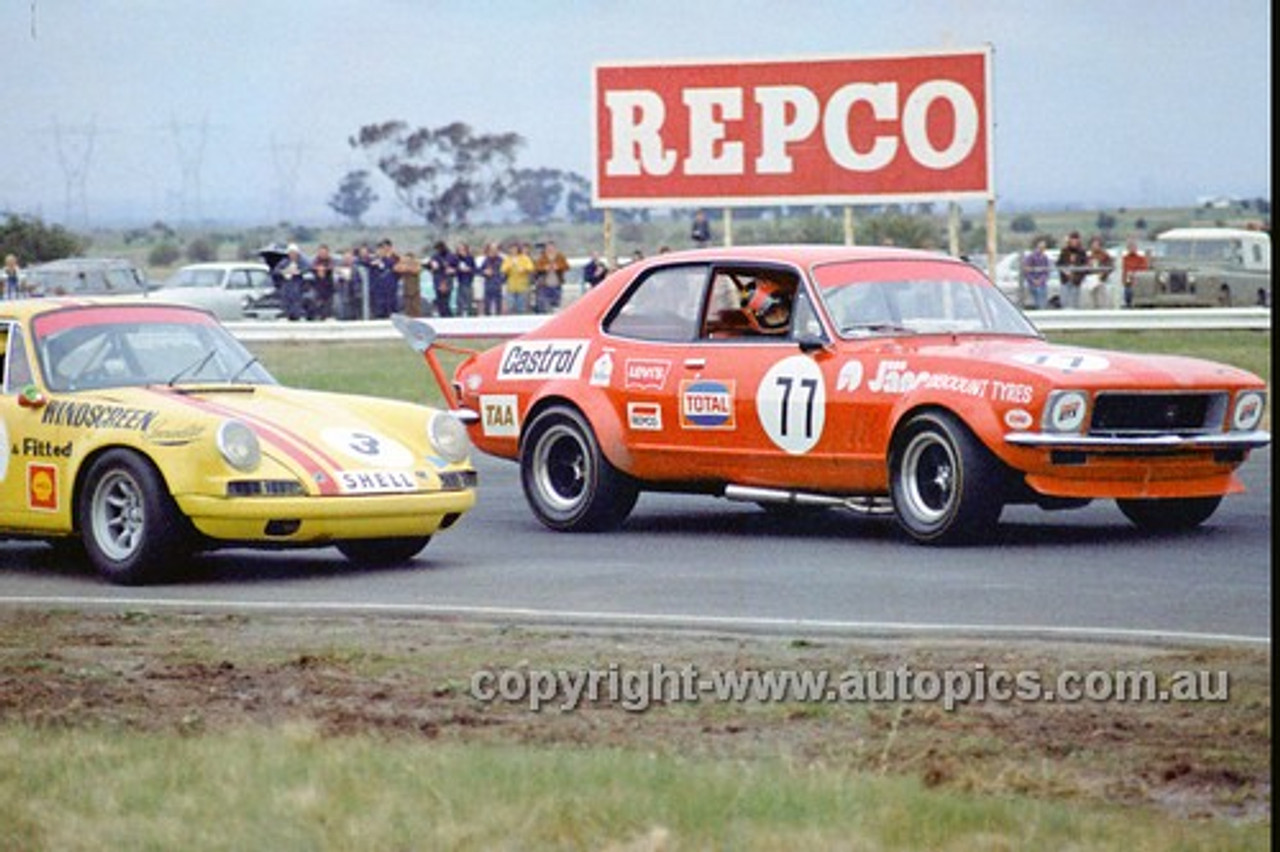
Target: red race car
x,y
875,379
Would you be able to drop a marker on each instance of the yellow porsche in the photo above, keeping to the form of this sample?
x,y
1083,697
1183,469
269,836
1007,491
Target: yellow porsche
x,y
145,432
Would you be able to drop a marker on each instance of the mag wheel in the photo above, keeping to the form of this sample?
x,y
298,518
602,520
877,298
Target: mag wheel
x,y
946,487
383,551
569,484
132,530
1169,515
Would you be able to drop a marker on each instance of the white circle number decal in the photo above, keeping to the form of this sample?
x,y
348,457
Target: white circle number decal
x,y
791,403
369,447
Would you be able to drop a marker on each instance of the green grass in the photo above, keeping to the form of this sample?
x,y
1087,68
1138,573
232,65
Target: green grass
x,y
393,370
289,788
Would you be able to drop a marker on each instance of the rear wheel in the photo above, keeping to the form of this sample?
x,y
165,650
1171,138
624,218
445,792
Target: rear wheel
x,y
947,488
568,482
132,530
1181,513
383,552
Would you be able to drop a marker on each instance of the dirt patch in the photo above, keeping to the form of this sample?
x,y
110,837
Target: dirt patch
x,y
413,678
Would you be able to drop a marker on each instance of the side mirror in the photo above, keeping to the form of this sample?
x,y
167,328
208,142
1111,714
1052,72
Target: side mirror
x,y
31,397
810,343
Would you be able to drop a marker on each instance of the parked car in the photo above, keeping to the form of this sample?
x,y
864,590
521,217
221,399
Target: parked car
x,y
1206,267
87,276
145,431
224,288
876,379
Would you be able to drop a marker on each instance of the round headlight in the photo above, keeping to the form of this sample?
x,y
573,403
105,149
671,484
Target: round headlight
x,y
449,437
239,445
1065,411
1247,414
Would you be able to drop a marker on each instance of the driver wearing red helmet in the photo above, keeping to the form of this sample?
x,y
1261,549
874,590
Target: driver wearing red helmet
x,y
767,305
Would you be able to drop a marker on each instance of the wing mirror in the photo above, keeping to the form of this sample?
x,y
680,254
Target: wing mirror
x,y
31,397
810,343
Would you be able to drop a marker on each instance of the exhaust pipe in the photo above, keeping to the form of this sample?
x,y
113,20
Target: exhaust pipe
x,y
862,505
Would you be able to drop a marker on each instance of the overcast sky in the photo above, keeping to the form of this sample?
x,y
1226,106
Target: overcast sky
x,y
241,109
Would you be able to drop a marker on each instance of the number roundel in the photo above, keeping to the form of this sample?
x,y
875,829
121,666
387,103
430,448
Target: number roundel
x,y
371,448
791,403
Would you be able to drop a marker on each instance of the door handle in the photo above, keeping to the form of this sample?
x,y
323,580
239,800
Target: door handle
x,y
695,363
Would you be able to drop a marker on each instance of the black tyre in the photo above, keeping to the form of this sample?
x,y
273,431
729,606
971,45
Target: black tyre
x,y
569,484
1169,515
132,530
382,552
947,488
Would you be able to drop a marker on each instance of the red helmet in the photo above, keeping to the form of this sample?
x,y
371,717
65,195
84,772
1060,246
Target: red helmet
x,y
768,306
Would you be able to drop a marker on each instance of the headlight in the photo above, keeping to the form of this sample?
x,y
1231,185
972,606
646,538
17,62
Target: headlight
x,y
449,437
1247,414
1065,411
239,445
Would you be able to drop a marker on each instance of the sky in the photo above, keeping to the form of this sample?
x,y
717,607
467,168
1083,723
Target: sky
x,y
133,111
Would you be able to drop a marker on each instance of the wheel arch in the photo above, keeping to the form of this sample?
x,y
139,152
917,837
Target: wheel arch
x,y
86,464
598,414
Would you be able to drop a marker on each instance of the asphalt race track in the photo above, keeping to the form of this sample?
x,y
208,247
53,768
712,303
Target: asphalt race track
x,y
706,563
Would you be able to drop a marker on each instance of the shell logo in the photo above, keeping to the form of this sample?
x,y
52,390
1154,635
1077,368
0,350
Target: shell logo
x,y
42,487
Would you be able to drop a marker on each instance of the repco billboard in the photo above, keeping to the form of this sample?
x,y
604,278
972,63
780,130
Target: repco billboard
x,y
856,129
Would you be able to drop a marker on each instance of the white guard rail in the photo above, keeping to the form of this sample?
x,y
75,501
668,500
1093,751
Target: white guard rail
x,y
1200,319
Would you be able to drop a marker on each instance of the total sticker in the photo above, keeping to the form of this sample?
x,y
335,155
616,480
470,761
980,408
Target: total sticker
x,y
369,447
791,403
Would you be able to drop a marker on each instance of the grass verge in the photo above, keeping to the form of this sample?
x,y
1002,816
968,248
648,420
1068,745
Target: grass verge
x,y
141,730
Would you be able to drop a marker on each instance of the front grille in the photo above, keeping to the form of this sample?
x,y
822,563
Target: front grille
x,y
264,488
458,480
1157,413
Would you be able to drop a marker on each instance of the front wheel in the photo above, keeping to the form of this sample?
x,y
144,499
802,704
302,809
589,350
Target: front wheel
x,y
132,530
382,552
568,482
1170,514
947,488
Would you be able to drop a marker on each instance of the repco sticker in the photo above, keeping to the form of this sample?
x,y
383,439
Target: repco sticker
x,y
706,404
542,359
499,416
644,416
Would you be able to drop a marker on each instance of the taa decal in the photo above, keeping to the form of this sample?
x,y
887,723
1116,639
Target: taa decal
x,y
42,487
371,448
707,404
498,415
791,403
644,416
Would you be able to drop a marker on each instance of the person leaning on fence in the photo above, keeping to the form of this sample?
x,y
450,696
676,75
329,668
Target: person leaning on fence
x,y
1130,262
553,266
518,270
291,273
444,271
594,272
12,278
1035,272
464,293
410,271
1096,285
491,272
1073,265
322,285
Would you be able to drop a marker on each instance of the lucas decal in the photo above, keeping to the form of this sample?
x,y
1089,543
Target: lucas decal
x,y
369,447
791,403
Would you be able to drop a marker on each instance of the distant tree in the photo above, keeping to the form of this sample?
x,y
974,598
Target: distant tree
x,y
1140,223
165,254
32,241
444,174
354,197
899,230
536,193
202,250
1023,223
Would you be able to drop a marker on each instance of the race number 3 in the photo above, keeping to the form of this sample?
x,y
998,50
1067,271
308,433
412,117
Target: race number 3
x,y
791,403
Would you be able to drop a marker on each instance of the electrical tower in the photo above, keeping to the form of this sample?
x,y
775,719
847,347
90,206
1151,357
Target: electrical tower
x,y
189,142
287,159
75,151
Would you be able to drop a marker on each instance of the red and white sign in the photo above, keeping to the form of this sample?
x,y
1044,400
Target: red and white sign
x,y
870,129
